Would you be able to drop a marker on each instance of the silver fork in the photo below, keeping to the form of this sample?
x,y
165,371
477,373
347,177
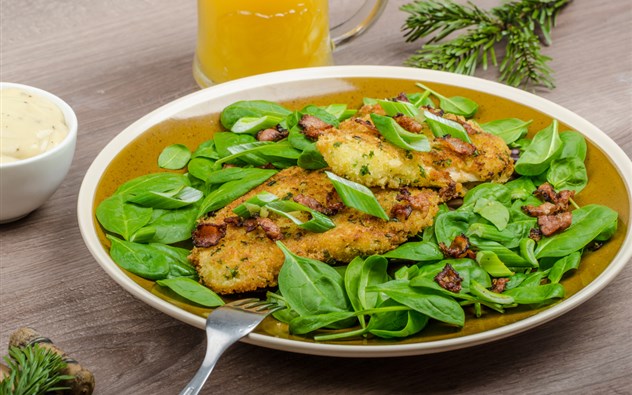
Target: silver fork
x,y
224,326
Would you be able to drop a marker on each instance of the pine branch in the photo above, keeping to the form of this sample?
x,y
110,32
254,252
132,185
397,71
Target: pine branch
x,y
514,24
34,370
444,16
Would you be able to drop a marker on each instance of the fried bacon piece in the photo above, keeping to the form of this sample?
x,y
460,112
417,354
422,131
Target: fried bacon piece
x,y
332,206
457,146
459,248
207,235
271,134
272,230
401,211
401,97
535,234
408,123
546,208
449,279
550,224
561,199
313,126
553,215
499,284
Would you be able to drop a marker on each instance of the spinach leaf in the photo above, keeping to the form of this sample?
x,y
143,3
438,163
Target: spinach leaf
x,y
451,224
251,108
488,191
507,256
174,157
252,125
363,273
573,145
311,158
492,265
154,182
456,105
179,265
521,188
172,226
545,146
298,140
486,295
537,294
201,168
192,290
416,251
426,301
588,222
206,150
319,222
311,287
561,266
568,173
441,127
304,324
167,200
140,259
118,216
398,136
396,324
231,190
493,211
393,108
508,129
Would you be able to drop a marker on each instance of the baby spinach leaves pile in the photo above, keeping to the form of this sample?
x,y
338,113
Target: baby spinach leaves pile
x,y
366,297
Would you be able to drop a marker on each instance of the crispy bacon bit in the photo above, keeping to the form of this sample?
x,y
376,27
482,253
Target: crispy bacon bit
x,y
499,284
334,204
267,166
250,224
401,97
207,235
418,202
546,208
309,202
271,229
449,191
271,134
313,126
367,124
449,279
401,211
458,146
548,194
535,234
408,123
550,224
436,111
237,221
459,248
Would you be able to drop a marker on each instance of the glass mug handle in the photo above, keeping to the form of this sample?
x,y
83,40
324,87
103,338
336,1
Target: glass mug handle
x,y
357,24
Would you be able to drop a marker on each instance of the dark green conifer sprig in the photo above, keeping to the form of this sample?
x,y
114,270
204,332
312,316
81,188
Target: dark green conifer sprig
x,y
517,24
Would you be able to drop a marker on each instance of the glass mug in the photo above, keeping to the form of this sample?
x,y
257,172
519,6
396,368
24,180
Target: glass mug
x,y
237,38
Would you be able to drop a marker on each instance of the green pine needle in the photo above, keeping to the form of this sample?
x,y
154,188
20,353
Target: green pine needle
x,y
516,24
34,370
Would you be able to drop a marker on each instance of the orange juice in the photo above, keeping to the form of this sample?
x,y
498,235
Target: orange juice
x,y
237,38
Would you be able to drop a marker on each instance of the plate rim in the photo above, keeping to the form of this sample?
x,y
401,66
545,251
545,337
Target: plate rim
x,y
86,196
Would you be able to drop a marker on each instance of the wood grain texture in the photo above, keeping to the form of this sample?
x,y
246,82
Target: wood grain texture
x,y
116,60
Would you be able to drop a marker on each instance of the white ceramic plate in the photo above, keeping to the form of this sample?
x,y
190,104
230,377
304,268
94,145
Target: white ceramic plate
x,y
288,85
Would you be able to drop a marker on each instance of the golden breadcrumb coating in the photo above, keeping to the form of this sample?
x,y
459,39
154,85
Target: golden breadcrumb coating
x,y
244,261
358,152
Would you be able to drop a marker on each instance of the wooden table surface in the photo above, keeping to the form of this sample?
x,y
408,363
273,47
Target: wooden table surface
x,y
115,60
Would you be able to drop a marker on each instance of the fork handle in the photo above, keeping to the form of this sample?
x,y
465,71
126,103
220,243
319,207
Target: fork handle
x,y
217,344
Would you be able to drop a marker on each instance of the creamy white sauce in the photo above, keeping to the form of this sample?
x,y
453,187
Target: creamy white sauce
x,y
30,125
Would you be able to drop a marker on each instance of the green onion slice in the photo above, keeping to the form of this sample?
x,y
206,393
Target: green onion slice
x,y
357,196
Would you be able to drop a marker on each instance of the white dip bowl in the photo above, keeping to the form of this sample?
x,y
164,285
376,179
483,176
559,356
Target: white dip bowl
x,y
27,183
